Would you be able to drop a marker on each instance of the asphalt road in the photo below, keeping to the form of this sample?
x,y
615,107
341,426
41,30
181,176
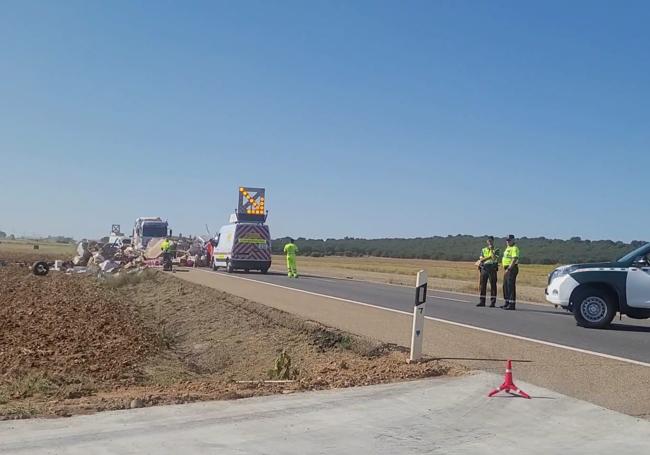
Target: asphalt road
x,y
626,339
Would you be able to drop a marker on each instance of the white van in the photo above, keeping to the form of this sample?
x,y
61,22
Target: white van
x,y
243,246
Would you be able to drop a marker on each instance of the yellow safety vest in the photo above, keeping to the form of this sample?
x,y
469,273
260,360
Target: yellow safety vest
x,y
490,256
509,255
290,249
166,246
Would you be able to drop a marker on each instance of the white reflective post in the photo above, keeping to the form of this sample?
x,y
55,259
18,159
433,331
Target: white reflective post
x,y
418,316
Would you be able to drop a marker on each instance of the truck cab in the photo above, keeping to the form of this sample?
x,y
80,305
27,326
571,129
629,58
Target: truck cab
x,y
594,293
147,228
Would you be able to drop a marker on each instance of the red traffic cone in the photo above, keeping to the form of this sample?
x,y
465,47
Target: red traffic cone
x,y
508,385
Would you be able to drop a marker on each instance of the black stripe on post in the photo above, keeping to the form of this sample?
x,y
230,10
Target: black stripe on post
x,y
421,294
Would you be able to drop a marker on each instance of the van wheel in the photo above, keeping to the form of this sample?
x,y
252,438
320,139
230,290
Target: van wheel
x,y
593,308
215,267
265,270
229,267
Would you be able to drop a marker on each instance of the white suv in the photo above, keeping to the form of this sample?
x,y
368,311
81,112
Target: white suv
x,y
596,292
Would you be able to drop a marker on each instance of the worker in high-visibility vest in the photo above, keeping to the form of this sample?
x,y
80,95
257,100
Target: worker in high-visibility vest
x,y
510,264
488,266
166,246
290,249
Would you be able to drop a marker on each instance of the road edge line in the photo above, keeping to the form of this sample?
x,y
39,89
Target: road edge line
x,y
526,302
444,321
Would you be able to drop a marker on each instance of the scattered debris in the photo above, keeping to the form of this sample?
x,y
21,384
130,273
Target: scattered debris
x,y
115,254
109,266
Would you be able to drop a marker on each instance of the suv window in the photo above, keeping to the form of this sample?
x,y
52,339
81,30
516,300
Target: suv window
x,y
644,250
642,261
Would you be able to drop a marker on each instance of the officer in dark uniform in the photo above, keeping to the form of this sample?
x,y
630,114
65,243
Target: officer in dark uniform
x,y
510,264
488,267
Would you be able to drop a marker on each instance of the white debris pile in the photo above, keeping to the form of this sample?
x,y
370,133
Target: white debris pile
x,y
97,257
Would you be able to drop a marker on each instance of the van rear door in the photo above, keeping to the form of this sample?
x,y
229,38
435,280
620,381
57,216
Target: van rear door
x,y
252,242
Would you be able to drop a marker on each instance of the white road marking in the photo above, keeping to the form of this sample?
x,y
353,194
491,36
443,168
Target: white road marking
x,y
332,278
444,321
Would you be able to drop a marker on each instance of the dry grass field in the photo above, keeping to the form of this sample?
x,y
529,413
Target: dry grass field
x,y
23,250
443,275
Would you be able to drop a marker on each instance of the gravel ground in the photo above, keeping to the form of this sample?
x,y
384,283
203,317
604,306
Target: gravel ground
x,y
71,344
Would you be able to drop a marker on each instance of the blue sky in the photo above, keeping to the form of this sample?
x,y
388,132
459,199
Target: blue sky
x,y
361,118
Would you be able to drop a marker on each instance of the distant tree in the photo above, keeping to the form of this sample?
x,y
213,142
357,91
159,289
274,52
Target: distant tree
x,y
3,235
12,237
538,250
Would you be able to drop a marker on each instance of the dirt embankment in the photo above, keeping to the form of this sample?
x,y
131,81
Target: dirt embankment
x,y
65,336
71,344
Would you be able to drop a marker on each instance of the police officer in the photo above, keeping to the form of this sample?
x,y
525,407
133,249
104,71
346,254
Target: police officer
x,y
488,267
510,264
290,249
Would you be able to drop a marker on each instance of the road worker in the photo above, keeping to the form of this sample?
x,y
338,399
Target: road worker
x,y
510,264
166,246
290,249
488,266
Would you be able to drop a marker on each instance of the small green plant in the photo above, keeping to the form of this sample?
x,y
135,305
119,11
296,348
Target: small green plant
x,y
345,342
282,368
20,411
165,337
30,385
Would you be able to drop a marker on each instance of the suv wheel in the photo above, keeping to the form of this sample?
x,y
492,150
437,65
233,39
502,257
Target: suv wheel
x,y
229,267
593,308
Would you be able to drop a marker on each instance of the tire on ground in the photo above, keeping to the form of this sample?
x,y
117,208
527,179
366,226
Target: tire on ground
x,y
229,267
40,268
594,308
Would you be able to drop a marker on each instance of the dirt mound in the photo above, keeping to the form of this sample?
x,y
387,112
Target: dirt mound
x,y
72,344
70,327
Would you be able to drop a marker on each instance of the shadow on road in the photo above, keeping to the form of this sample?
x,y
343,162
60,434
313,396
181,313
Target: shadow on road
x,y
554,312
629,328
272,273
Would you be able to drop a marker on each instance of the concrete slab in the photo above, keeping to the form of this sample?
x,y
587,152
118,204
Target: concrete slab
x,y
450,416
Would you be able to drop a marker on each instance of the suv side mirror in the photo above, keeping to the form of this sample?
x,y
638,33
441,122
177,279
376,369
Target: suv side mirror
x,y
641,261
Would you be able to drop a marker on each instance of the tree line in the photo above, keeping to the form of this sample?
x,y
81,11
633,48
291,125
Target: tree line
x,y
538,250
